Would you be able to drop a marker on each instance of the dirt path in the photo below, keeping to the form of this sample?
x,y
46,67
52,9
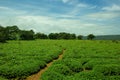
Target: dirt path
x,y
37,76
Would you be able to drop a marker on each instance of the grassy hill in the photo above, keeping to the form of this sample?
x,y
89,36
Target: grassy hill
x,y
108,37
105,37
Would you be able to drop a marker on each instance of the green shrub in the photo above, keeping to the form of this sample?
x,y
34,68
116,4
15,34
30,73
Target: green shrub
x,y
1,78
61,69
112,78
23,58
2,54
74,64
52,75
19,70
89,65
89,75
108,70
47,59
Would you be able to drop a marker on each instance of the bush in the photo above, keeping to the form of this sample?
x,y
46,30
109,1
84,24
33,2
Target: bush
x,y
89,75
74,64
61,69
89,65
112,78
108,70
20,70
52,75
1,78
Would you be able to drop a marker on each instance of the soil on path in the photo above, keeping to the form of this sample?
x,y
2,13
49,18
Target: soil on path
x,y
37,76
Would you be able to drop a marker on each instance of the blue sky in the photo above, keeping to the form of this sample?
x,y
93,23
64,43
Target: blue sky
x,y
99,17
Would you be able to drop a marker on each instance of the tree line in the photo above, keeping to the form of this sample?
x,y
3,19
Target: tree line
x,y
14,33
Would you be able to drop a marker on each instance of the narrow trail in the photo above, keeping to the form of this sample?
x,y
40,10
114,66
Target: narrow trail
x,y
37,76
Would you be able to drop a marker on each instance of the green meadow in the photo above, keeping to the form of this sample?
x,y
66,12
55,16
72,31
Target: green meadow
x,y
82,59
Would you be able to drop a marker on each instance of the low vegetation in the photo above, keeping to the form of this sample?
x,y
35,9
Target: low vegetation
x,y
82,59
87,60
21,59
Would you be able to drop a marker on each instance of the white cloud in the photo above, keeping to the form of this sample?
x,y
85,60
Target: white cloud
x,y
55,23
92,7
103,15
77,8
82,5
65,1
50,24
4,8
114,7
9,11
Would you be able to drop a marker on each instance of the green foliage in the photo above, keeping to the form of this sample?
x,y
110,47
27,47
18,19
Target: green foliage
x,y
89,60
80,37
41,36
90,36
112,78
74,64
89,75
3,34
108,70
21,68
53,36
52,75
12,32
62,35
82,60
27,35
21,59
61,69
1,78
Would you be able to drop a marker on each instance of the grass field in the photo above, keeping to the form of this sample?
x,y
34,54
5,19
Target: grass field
x,y
82,59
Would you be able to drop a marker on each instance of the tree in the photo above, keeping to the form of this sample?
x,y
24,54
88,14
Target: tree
x,y
79,37
12,32
90,36
62,35
72,36
41,36
27,35
53,36
3,34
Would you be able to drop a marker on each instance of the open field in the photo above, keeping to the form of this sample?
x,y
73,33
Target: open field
x,y
81,60
21,59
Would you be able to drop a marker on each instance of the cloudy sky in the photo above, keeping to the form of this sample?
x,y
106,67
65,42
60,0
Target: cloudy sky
x,y
100,17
